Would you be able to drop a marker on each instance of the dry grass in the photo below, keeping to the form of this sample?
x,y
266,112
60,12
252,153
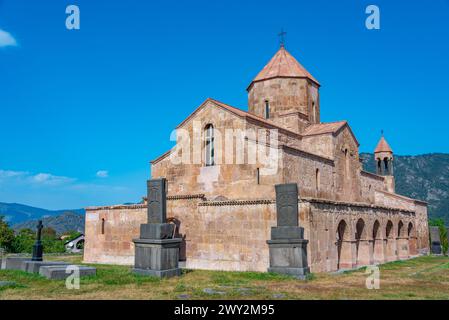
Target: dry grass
x,y
420,278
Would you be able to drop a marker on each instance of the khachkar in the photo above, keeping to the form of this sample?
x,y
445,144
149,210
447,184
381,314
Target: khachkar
x,y
157,252
37,247
288,248
435,241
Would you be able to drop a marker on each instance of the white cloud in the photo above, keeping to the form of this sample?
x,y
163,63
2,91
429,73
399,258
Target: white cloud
x,y
6,39
102,174
49,179
4,174
24,177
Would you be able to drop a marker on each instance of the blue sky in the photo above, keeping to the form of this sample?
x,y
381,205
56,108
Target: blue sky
x,y
84,111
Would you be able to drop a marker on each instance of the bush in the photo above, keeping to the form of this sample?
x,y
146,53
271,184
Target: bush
x,y
6,235
23,241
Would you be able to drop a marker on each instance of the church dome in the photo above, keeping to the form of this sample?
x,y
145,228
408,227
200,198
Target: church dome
x,y
283,65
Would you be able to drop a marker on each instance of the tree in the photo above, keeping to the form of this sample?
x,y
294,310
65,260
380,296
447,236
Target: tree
x,y
443,232
6,235
48,233
23,241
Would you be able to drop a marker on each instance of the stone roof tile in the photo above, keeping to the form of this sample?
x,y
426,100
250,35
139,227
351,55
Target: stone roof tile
x,y
283,64
383,146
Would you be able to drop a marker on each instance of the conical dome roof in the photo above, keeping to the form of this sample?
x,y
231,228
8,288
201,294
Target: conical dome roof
x,y
383,146
283,65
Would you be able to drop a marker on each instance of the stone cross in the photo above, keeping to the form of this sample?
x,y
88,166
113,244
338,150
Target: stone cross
x,y
40,226
37,247
157,200
287,205
281,37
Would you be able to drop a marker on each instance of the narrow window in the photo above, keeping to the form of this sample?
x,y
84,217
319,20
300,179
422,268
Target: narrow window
x,y
347,164
313,118
387,170
209,145
267,109
102,226
258,176
317,179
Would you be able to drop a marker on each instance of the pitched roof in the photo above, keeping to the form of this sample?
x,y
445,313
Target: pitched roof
x,y
283,64
322,128
328,128
240,113
383,146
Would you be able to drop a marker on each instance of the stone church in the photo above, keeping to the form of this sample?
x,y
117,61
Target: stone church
x,y
224,210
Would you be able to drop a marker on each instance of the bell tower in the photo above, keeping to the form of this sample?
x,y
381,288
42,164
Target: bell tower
x,y
383,156
286,93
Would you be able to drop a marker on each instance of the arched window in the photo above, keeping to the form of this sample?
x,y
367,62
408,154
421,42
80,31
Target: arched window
x,y
387,170
102,226
379,166
267,109
317,179
209,145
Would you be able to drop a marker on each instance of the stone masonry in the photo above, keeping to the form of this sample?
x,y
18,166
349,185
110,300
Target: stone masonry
x,y
223,211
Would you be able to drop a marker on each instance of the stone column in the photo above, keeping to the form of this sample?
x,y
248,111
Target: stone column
x,y
156,251
391,250
402,247
348,256
365,253
288,248
379,251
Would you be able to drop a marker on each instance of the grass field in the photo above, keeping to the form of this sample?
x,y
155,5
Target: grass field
x,y
419,278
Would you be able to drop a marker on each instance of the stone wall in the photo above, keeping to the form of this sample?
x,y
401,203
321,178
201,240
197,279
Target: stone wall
x,y
231,235
369,183
420,207
285,95
313,174
357,245
109,232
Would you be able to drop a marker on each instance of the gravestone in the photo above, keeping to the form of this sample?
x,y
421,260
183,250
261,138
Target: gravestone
x,y
156,251
34,266
63,272
37,247
14,262
435,241
288,248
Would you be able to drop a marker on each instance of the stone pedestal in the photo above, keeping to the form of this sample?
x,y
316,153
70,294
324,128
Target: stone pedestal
x,y
289,256
156,252
157,257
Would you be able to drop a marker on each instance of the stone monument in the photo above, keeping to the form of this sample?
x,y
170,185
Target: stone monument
x,y
156,251
37,247
435,241
288,248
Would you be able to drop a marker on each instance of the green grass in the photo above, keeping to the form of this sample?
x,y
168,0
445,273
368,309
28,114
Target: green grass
x,y
420,278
